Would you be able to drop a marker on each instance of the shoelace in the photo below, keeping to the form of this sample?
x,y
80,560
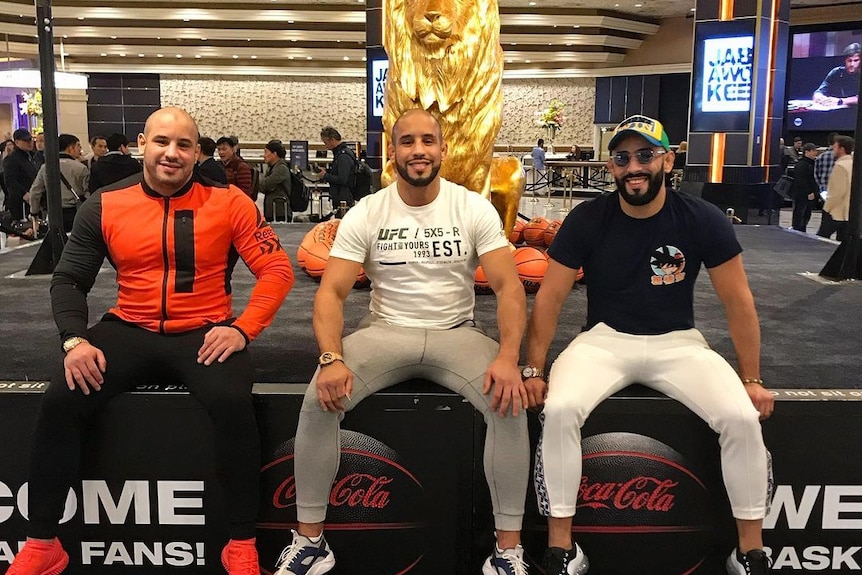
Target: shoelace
x,y
290,553
517,564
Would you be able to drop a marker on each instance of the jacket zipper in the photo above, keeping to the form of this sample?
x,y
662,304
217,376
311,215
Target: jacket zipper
x,y
166,260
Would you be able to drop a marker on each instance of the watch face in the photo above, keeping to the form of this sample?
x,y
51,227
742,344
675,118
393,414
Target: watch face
x,y
528,371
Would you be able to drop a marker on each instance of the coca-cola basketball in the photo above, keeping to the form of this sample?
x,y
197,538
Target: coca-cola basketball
x,y
516,236
642,492
532,265
534,232
375,498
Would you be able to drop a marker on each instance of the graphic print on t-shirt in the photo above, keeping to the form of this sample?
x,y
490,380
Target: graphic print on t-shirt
x,y
435,245
668,265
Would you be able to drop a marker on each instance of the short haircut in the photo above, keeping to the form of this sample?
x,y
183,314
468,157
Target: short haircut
x,y
330,133
66,140
277,148
831,138
809,146
541,142
852,49
225,140
208,146
797,139
845,142
98,137
117,141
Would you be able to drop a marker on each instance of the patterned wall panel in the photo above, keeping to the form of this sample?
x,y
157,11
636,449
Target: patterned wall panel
x,y
523,98
260,108
265,107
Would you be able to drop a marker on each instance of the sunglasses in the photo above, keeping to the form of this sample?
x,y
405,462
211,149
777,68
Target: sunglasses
x,y
644,157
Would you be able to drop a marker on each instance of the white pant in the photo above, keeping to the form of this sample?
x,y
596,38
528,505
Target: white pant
x,y
679,364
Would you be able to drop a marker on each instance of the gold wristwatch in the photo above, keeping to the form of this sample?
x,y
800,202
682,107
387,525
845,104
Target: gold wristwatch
x,y
328,358
72,342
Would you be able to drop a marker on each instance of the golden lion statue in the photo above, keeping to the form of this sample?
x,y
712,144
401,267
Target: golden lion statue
x,y
445,57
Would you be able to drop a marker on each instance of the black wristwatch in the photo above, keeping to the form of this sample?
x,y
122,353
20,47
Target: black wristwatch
x,y
529,371
840,101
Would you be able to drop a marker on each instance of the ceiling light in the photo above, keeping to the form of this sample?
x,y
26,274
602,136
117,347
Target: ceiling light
x,y
509,61
308,57
160,55
113,37
80,17
197,56
532,3
527,61
235,56
179,55
293,39
290,21
185,19
290,57
364,59
693,9
254,57
122,54
638,5
140,55
64,36
578,25
102,54
346,58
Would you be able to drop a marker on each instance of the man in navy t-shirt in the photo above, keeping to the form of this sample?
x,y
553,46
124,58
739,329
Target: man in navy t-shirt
x,y
641,249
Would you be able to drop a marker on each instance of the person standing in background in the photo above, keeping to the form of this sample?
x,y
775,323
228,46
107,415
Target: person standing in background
x,y
74,182
275,183
836,210
207,165
118,164
340,173
805,189
237,170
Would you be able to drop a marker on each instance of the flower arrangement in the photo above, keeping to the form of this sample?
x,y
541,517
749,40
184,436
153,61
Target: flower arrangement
x,y
32,105
552,116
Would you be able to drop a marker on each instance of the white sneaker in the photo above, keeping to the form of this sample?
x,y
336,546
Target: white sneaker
x,y
304,557
505,562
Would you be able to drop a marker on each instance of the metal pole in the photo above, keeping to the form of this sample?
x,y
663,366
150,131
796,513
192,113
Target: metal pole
x,y
52,246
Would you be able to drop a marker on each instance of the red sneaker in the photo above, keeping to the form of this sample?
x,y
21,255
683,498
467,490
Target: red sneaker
x,y
240,557
40,558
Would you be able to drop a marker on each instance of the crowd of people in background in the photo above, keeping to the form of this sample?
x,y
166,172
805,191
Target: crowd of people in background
x,y
821,180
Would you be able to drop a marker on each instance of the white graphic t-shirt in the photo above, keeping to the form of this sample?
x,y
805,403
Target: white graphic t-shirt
x,y
421,260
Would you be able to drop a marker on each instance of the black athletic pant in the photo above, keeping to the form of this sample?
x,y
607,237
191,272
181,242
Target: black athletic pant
x,y
135,356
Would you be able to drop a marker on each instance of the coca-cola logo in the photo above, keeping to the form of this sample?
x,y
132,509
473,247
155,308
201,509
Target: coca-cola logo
x,y
353,490
638,493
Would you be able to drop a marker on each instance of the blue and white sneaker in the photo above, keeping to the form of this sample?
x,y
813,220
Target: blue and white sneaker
x,y
505,562
304,557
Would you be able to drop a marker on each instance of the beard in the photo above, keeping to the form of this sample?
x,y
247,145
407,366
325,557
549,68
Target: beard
x,y
417,182
654,184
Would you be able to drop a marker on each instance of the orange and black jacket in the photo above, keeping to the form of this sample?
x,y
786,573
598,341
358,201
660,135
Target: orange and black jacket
x,y
174,258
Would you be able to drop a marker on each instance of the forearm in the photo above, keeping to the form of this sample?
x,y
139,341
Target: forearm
x,y
266,298
69,307
744,329
511,319
328,321
541,328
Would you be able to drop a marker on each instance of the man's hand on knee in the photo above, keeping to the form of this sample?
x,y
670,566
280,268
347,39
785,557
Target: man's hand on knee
x,y
219,343
84,366
505,380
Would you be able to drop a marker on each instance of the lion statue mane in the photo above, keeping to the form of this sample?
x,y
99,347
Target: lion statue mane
x,y
445,57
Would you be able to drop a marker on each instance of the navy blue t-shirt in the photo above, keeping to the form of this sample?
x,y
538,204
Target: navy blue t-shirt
x,y
640,273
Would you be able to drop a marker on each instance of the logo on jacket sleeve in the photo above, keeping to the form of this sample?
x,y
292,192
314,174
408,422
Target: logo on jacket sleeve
x,y
668,265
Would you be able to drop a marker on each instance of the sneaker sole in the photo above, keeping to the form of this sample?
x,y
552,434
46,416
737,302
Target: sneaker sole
x,y
318,568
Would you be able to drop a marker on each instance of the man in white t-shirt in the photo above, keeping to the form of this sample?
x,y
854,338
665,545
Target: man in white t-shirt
x,y
419,241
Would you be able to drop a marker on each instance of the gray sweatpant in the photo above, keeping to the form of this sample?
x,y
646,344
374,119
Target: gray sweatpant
x,y
381,355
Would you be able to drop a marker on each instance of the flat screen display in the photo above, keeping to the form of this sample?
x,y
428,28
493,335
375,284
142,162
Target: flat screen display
x,y
823,80
723,69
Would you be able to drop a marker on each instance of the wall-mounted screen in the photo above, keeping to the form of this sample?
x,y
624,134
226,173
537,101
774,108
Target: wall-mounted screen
x,y
722,73
823,80
376,70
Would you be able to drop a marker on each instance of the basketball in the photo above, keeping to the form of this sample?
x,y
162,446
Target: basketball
x,y
532,265
635,488
316,256
516,236
480,283
534,232
301,252
551,232
376,498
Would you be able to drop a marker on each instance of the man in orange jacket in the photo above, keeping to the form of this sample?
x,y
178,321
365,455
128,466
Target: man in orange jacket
x,y
173,317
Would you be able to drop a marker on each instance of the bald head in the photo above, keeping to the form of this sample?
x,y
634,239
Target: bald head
x,y
170,146
170,114
416,112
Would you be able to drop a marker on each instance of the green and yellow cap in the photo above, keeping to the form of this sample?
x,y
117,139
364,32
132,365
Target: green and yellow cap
x,y
648,128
